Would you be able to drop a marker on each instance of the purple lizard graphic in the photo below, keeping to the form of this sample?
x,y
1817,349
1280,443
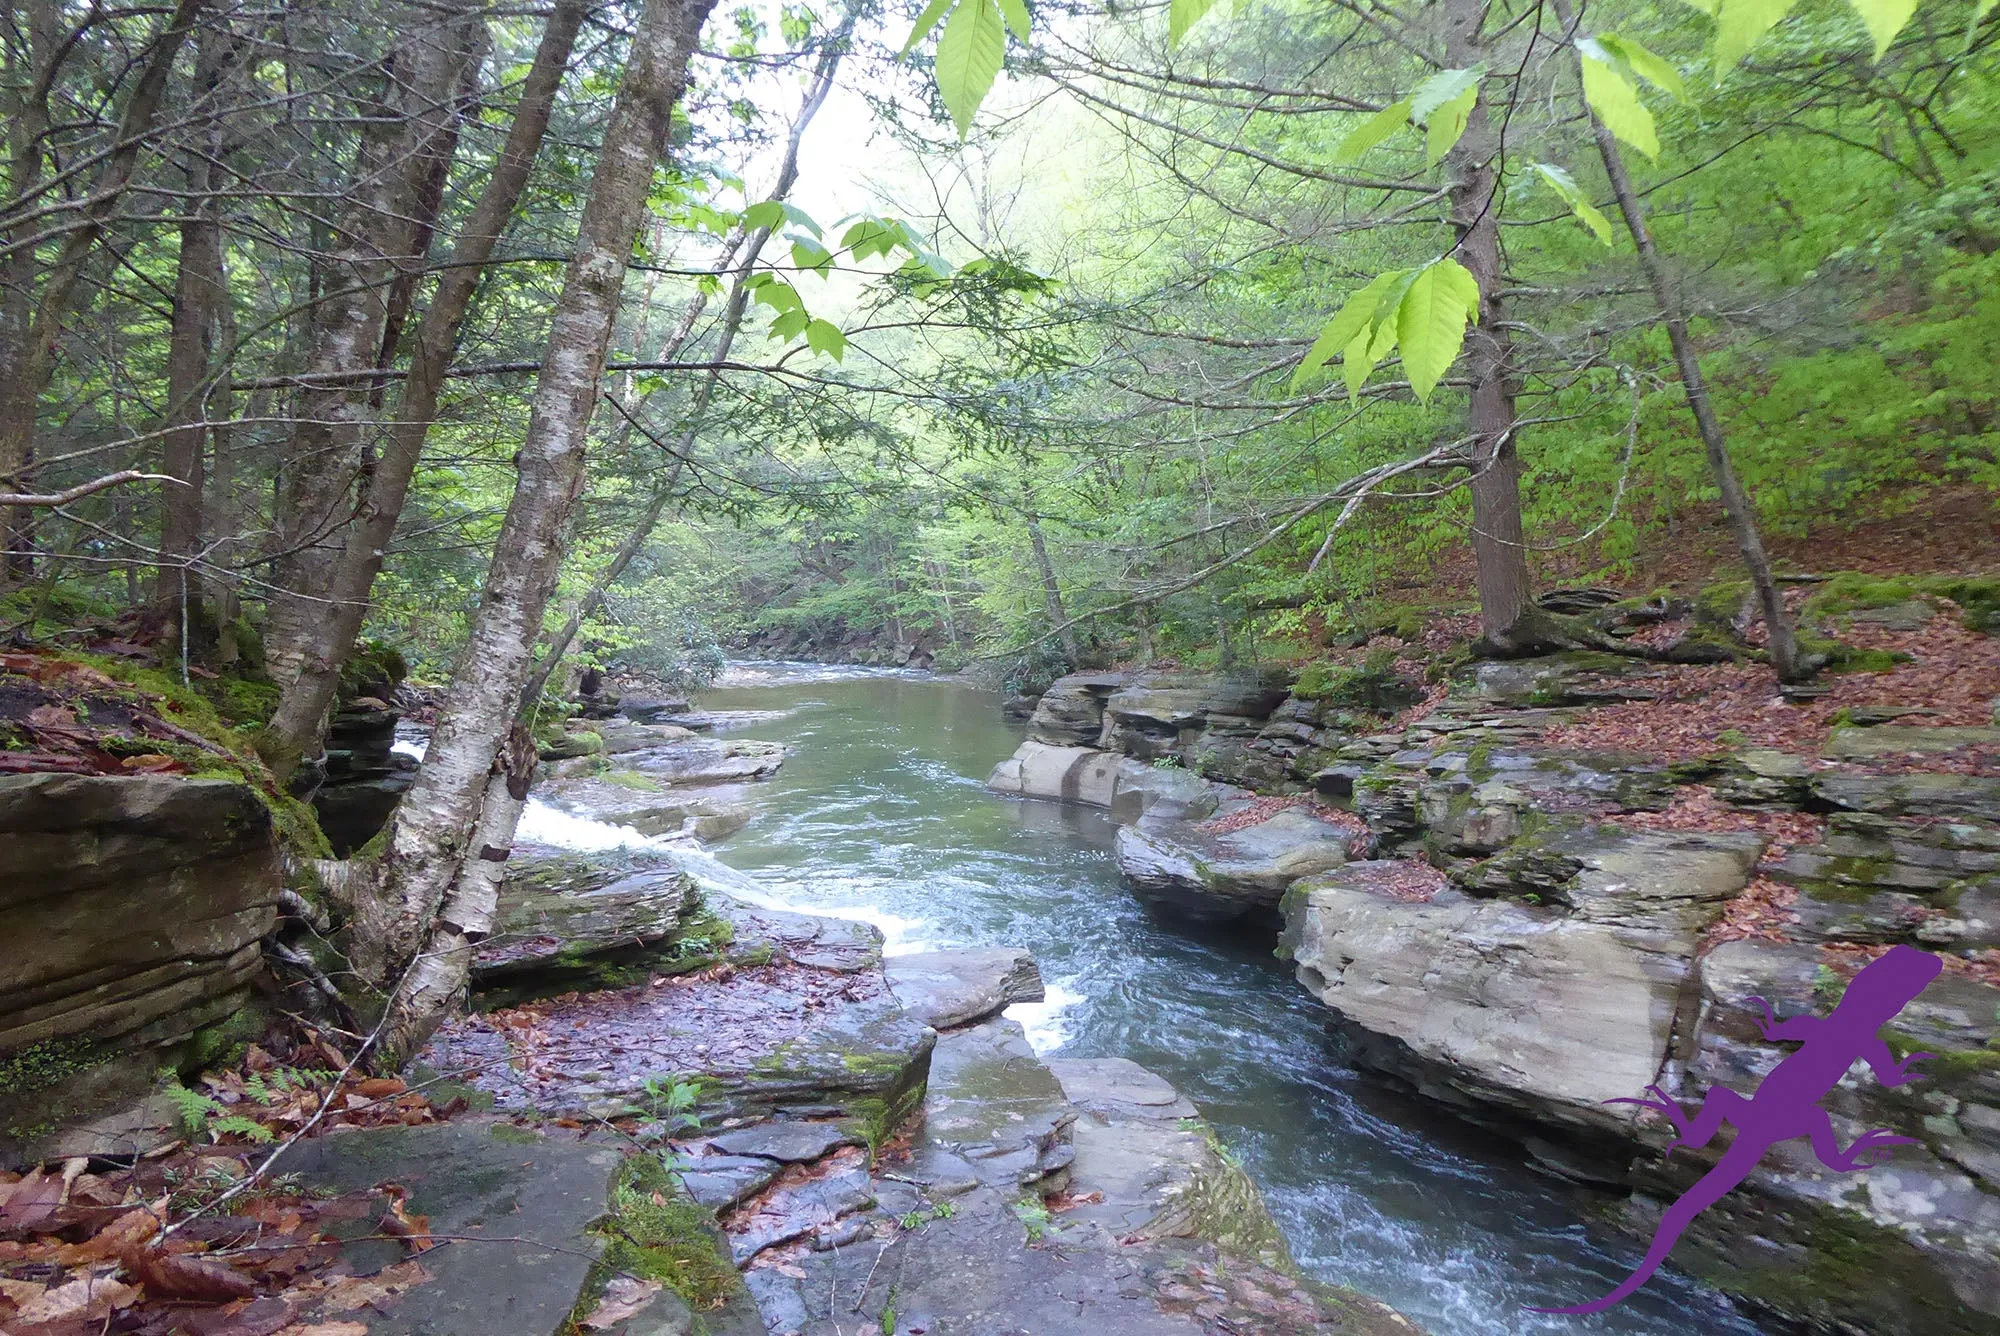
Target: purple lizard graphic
x,y
1786,1104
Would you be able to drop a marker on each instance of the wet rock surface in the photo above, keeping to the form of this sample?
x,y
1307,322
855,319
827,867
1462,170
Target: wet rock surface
x,y
866,1171
139,926
947,989
1538,929
1197,872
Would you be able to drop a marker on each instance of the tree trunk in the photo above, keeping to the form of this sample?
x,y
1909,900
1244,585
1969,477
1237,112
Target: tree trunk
x,y
751,248
410,937
198,300
377,233
1499,552
1735,501
32,321
1052,604
294,728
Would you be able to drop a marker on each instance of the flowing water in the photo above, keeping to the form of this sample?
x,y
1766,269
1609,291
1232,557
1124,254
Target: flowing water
x,y
881,812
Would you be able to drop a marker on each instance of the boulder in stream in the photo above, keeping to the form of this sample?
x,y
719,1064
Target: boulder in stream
x,y
1198,873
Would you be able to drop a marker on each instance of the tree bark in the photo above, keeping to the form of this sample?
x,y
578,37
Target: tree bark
x,y
411,937
294,728
28,333
1498,547
378,233
199,296
1783,641
752,248
1052,604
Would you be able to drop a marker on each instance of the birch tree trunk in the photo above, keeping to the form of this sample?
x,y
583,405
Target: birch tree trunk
x,y
1500,554
404,135
327,640
751,248
411,938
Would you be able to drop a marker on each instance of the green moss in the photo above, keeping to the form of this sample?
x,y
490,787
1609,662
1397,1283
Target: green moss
x,y
49,1063
1978,597
1851,591
656,1232
219,1044
631,779
374,669
1717,604
1832,656
512,1135
1375,685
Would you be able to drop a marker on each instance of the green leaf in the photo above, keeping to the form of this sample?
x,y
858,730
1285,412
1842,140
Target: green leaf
x,y
1431,320
790,324
1373,131
1016,14
1447,125
933,13
1183,15
1579,204
1617,104
1439,89
1355,363
969,57
1354,317
809,254
825,337
1653,69
1885,18
1979,13
1738,25
779,295
768,214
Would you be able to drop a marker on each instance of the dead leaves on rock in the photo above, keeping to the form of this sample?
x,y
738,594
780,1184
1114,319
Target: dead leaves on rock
x,y
85,1254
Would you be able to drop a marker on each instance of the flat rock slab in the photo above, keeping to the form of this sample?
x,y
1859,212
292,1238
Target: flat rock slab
x,y
788,1142
719,1182
475,1180
544,930
699,760
1208,876
846,946
1119,1087
801,1022
993,1103
947,989
1899,739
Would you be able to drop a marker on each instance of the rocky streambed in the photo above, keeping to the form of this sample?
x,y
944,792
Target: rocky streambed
x,y
1520,930
868,1140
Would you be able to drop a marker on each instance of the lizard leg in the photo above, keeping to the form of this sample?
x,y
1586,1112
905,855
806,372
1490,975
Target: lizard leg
x,y
1888,1069
1790,1027
1716,1108
1870,1148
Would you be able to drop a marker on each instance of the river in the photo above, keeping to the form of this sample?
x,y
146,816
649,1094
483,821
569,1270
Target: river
x,y
881,812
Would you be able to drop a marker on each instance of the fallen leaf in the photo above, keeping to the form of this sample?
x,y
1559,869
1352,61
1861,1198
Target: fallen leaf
x,y
169,1277
86,1297
265,1317
327,1329
413,1230
124,1232
381,1087
624,1297
31,1203
377,1291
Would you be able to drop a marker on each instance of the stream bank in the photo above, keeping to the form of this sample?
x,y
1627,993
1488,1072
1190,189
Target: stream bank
x,y
1514,921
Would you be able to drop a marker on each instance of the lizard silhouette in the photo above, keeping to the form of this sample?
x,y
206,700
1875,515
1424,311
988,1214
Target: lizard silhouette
x,y
1786,1103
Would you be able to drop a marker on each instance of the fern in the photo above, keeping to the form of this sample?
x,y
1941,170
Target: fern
x,y
193,1108
237,1125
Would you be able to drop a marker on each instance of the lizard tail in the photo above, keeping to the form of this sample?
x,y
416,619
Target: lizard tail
x,y
1704,1193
